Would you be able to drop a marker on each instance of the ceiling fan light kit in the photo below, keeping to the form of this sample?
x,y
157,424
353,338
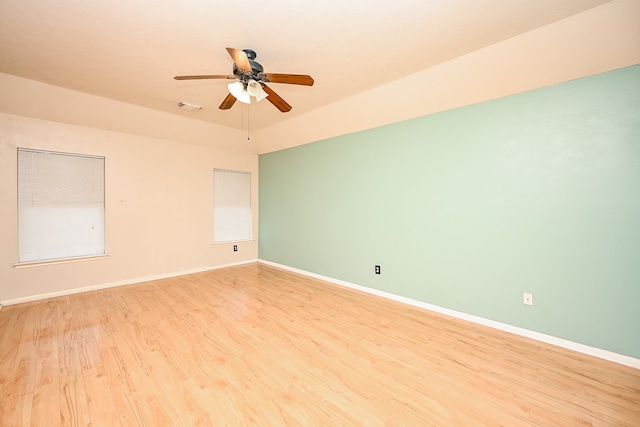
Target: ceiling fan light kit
x,y
243,92
252,81
255,89
238,90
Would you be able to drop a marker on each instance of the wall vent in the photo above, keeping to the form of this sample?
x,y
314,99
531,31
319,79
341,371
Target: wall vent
x,y
189,106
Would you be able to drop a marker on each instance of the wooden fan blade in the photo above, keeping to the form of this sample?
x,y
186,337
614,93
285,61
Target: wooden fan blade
x,y
292,79
209,76
275,99
240,58
228,102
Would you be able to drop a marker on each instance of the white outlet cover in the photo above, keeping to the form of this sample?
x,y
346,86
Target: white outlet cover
x,y
527,298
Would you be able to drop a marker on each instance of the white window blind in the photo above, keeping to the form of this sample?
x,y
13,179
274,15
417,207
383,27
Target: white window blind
x,y
231,206
60,205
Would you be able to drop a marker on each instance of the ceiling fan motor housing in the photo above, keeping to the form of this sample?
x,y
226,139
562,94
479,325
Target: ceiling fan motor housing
x,y
255,67
250,53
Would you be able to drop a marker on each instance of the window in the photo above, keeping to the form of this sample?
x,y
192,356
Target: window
x,y
60,205
231,206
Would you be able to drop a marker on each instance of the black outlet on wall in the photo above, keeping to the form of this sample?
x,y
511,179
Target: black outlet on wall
x,y
235,248
377,269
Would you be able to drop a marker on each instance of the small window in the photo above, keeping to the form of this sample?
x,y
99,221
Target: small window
x,y
60,205
231,206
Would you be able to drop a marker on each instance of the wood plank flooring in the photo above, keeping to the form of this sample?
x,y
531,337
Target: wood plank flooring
x,y
258,346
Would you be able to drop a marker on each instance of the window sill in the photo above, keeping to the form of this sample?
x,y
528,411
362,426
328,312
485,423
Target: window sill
x,y
233,242
58,261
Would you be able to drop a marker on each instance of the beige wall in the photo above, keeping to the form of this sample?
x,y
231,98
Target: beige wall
x,y
158,190
601,39
30,98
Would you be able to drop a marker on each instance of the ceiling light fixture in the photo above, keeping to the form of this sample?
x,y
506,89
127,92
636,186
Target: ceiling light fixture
x,y
255,89
238,90
244,91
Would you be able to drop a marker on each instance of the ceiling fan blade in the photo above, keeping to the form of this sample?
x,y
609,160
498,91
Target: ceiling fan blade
x,y
209,76
228,102
292,79
275,99
240,58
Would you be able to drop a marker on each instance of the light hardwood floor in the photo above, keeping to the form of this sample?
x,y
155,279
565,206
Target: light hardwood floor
x,y
255,345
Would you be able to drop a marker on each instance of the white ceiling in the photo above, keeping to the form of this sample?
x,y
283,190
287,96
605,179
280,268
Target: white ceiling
x,y
129,50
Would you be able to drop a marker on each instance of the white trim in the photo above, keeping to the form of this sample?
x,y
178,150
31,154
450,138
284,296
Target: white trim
x,y
234,242
549,339
59,261
119,283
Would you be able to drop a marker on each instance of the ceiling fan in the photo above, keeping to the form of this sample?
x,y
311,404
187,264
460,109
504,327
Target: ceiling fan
x,y
252,81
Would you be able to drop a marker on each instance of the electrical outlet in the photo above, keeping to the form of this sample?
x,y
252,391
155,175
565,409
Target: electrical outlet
x,y
527,298
377,269
235,248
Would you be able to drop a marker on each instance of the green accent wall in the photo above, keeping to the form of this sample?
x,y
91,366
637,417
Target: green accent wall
x,y
468,208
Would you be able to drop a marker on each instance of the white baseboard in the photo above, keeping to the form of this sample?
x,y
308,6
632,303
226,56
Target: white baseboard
x,y
118,283
549,339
